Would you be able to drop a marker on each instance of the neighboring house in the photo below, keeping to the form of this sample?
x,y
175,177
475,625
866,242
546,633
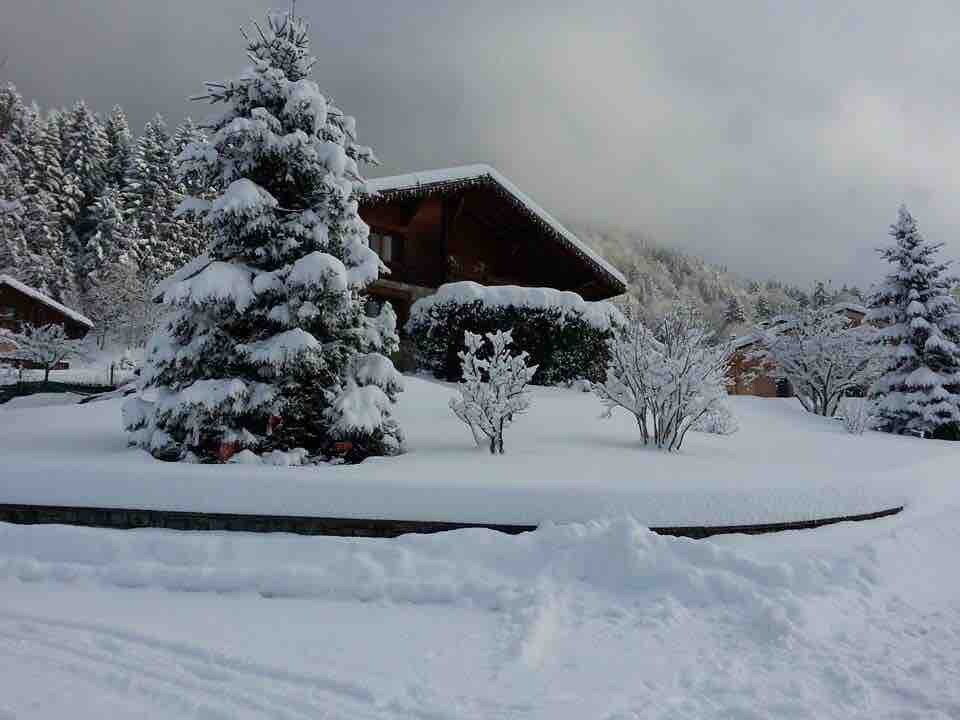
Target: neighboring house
x,y
471,223
20,303
750,376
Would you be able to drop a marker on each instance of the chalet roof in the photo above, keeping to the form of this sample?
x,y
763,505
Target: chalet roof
x,y
429,182
851,306
45,299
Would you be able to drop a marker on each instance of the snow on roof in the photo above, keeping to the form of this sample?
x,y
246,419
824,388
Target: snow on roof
x,y
45,299
850,306
752,337
743,341
429,180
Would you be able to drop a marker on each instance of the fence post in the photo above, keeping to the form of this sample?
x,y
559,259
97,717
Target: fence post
x,y
111,375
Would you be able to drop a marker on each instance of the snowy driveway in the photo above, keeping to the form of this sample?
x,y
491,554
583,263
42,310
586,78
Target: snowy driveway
x,y
602,620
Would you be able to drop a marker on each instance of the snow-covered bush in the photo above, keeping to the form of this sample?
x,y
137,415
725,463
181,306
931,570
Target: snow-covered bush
x,y
719,420
821,355
918,391
580,385
857,414
43,347
266,346
493,390
564,335
668,377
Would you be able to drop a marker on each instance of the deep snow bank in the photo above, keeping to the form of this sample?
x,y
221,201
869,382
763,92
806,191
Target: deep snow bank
x,y
616,557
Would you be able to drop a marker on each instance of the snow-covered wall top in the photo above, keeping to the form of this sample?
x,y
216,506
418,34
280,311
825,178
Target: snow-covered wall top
x,y
466,173
45,299
598,314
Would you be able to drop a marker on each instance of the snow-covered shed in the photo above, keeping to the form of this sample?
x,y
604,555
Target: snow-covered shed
x,y
20,303
472,223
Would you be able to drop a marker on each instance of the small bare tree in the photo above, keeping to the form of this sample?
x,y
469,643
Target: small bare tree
x,y
113,299
493,391
667,377
44,346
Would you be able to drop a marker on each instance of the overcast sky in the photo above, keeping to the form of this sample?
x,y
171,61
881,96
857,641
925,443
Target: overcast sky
x,y
777,138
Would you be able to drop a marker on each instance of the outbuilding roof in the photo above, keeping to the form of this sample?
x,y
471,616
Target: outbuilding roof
x,y
429,182
45,299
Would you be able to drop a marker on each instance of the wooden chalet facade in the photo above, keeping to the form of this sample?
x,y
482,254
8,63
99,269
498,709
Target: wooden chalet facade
x,y
471,223
749,376
20,303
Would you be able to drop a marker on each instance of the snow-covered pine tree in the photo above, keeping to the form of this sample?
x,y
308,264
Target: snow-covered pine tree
x,y
267,347
734,313
819,297
193,234
118,148
12,246
186,133
151,198
762,309
114,236
85,150
919,389
65,194
113,290
11,110
43,260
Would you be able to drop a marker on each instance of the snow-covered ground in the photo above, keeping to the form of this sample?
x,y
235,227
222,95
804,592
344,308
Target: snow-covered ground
x,y
595,619
598,620
563,463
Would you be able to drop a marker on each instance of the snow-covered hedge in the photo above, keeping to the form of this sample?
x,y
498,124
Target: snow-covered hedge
x,y
564,335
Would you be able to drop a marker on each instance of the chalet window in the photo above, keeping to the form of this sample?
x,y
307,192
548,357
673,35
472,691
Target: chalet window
x,y
388,247
373,307
7,312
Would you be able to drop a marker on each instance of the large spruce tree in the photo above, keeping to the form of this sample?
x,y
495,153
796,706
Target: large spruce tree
x,y
266,348
919,390
151,198
118,150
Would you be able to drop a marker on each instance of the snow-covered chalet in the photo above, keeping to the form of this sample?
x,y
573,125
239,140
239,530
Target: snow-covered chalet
x,y
20,303
472,223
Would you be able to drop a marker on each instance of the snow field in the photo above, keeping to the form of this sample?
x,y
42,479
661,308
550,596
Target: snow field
x,y
563,463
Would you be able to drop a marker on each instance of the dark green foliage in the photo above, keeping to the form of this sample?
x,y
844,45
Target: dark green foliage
x,y
563,345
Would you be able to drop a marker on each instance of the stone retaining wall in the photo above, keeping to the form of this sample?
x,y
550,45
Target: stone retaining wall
x,y
125,518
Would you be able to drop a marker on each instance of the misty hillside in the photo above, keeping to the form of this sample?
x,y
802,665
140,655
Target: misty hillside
x,y
658,277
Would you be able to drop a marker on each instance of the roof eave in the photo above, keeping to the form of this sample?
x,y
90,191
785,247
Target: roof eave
x,y
489,178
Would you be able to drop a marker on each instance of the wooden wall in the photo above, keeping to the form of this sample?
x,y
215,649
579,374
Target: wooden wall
x,y
471,234
749,378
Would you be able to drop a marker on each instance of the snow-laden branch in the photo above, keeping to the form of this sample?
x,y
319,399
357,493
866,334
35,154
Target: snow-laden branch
x,y
667,377
493,391
821,355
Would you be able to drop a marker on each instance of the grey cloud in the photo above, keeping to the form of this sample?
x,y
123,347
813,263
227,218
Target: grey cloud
x,y
776,138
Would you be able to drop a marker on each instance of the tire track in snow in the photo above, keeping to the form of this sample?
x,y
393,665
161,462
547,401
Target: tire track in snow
x,y
125,661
